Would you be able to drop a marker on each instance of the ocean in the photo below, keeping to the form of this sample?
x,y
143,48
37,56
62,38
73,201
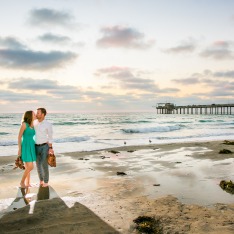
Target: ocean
x,y
92,131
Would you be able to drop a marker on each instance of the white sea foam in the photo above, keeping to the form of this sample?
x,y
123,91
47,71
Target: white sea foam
x,y
152,129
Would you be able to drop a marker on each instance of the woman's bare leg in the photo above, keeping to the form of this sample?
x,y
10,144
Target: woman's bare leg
x,y
27,180
28,168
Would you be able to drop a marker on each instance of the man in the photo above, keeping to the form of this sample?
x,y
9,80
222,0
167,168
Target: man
x,y
44,134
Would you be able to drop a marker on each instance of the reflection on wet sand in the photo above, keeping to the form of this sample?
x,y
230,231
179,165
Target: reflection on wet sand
x,y
28,196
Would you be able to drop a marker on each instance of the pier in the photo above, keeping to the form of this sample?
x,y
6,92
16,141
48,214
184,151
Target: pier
x,y
213,109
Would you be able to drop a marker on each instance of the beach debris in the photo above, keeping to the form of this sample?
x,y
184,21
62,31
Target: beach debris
x,y
125,142
228,142
86,159
130,151
81,159
149,225
114,151
178,162
103,157
225,151
121,173
150,141
156,184
75,193
228,186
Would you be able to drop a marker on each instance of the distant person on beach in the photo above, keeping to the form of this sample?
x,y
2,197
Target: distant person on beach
x,y
26,146
44,147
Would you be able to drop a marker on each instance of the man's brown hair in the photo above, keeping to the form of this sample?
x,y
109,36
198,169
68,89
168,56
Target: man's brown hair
x,y
43,110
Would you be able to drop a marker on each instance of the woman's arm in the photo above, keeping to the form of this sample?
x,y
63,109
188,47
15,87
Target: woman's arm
x,y
21,131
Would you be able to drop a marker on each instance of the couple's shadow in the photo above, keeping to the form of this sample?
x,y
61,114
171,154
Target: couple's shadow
x,y
46,212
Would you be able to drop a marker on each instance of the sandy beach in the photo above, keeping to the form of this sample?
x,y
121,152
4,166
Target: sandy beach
x,y
177,184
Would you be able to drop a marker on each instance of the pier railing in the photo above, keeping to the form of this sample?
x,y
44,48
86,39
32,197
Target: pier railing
x,y
213,109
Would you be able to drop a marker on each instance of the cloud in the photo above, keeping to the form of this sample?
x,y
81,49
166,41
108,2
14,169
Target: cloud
x,y
207,77
50,88
127,80
10,96
53,38
219,50
221,89
123,37
11,42
31,84
226,74
34,60
48,18
184,47
188,81
217,87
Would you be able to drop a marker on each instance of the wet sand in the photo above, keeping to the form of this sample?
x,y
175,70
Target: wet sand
x,y
177,183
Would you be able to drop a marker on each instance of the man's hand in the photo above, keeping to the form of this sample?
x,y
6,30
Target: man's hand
x,y
51,151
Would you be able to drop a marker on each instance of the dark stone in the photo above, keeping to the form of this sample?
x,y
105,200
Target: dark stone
x,y
178,162
130,151
81,159
121,173
156,184
225,151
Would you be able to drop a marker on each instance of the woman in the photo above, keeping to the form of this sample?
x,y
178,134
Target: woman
x,y
26,144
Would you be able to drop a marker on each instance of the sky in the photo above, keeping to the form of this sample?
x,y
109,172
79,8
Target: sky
x,y
115,55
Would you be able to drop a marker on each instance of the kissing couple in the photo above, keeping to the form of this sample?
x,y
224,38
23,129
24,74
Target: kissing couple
x,y
34,144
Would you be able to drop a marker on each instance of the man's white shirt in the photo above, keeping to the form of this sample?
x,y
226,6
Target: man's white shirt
x,y
43,131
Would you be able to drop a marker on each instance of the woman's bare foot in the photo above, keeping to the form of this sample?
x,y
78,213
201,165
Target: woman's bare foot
x,y
41,183
45,185
22,185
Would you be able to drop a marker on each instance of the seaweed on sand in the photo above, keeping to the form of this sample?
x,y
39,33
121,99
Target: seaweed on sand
x,y
228,142
114,151
228,186
148,225
225,151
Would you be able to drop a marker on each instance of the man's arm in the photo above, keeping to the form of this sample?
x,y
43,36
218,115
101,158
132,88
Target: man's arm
x,y
50,138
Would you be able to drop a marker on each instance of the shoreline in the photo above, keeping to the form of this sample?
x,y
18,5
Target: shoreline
x,y
187,199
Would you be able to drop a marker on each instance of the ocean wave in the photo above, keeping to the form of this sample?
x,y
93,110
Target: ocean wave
x,y
133,122
8,143
72,123
197,136
206,120
6,117
60,140
152,129
71,139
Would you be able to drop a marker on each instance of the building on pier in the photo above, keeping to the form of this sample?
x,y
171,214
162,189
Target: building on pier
x,y
213,109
